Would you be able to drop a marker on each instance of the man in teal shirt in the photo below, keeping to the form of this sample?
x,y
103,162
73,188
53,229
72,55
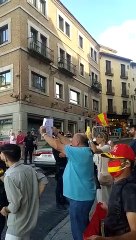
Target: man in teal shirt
x,y
78,179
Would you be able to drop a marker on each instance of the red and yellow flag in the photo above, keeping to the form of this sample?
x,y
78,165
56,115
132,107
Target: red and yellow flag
x,y
102,119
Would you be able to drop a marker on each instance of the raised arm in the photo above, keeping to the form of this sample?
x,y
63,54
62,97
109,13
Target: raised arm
x,y
63,140
54,143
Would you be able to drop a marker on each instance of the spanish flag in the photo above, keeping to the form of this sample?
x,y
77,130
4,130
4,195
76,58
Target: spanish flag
x,y
102,119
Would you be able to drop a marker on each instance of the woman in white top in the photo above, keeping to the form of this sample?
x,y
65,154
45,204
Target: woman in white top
x,y
12,139
102,166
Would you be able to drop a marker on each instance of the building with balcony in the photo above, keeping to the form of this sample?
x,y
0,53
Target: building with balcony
x,y
49,67
117,86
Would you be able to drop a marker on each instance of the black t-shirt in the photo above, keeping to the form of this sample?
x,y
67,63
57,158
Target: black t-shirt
x,y
122,200
29,141
60,162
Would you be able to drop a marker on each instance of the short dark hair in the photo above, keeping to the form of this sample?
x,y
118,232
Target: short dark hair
x,y
83,139
133,126
12,151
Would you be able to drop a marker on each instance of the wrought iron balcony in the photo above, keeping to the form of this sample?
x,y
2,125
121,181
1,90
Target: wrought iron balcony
x,y
110,91
111,109
109,72
66,67
96,86
125,94
126,111
38,49
124,75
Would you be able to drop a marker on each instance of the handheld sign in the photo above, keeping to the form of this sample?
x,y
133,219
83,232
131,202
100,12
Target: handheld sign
x,y
48,124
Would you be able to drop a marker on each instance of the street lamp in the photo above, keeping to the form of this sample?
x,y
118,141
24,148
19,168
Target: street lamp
x,y
133,102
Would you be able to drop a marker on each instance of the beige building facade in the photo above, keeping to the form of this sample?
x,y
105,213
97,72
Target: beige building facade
x,y
49,67
118,83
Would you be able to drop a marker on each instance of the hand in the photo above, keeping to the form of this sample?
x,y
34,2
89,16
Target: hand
x,y
42,130
55,131
4,212
62,155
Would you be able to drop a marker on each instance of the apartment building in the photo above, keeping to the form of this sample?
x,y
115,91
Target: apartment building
x,y
118,83
49,67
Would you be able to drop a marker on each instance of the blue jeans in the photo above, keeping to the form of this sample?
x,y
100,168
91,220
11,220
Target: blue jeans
x,y
79,217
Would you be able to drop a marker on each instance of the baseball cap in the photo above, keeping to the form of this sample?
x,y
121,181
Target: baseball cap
x,y
121,151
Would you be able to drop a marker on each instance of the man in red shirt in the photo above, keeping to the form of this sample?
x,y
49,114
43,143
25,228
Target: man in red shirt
x,y
20,142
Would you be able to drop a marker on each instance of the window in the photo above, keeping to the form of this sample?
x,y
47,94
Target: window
x,y
67,27
5,79
3,1
81,69
4,34
110,105
91,52
34,34
95,105
94,77
80,42
95,56
41,5
59,90
61,23
124,90
38,82
108,66
85,101
109,86
33,2
62,54
124,106
123,72
74,97
64,25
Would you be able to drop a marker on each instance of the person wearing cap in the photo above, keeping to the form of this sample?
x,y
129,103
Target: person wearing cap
x,y
120,223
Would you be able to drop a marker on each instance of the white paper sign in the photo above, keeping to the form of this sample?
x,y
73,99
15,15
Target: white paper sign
x,y
48,124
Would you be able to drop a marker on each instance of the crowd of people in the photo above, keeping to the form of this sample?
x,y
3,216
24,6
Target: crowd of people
x,y
88,172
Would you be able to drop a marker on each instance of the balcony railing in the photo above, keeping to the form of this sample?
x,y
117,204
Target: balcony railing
x,y
96,85
110,91
109,72
66,67
39,49
126,111
124,75
125,94
111,109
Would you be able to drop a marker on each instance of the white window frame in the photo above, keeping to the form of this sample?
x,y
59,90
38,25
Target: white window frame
x,y
4,69
2,24
86,95
66,20
56,80
36,8
40,32
41,73
75,90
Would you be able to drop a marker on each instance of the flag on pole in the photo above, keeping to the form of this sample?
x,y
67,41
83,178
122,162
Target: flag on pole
x,y
102,119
